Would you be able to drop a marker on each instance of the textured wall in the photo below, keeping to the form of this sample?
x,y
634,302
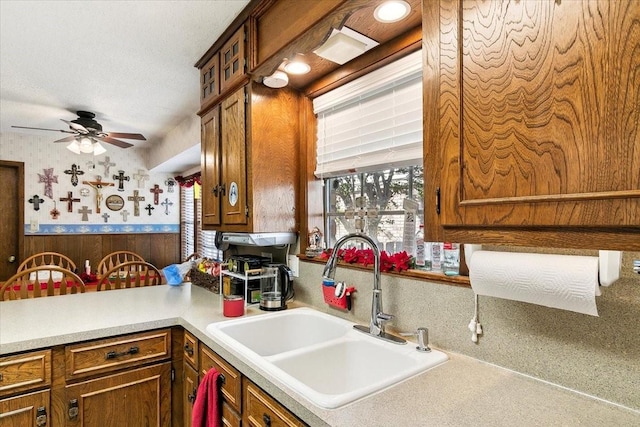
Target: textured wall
x,y
599,356
39,152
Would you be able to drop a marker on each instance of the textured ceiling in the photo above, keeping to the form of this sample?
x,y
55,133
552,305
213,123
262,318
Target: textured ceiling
x,y
130,62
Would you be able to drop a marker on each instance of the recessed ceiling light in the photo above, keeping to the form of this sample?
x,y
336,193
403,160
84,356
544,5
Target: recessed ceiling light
x,y
392,11
297,67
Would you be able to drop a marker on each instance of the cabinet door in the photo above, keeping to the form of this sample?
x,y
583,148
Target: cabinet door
x,y
209,80
190,388
211,190
234,159
232,60
140,397
27,410
537,126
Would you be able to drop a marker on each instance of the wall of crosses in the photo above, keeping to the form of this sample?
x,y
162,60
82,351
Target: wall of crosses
x,y
82,193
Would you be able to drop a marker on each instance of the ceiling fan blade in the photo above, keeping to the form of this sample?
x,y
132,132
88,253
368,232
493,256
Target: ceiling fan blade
x,y
75,126
67,139
55,130
114,141
127,135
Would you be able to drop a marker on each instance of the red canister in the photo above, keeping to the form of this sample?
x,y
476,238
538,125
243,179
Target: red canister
x,y
233,306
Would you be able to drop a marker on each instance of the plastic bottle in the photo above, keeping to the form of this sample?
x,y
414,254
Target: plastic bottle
x,y
420,249
436,256
451,263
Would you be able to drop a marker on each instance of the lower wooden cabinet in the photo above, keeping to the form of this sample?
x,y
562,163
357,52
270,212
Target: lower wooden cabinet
x,y
25,395
260,409
230,381
138,397
189,392
26,410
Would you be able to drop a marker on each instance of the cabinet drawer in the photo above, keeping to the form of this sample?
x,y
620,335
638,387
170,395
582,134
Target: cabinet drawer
x,y
24,372
190,350
97,357
230,417
261,409
231,387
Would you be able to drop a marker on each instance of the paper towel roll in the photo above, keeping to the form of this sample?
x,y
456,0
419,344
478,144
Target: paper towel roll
x,y
568,282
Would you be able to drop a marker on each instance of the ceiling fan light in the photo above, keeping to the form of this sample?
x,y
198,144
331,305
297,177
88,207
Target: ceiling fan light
x,y
86,145
392,11
98,149
74,147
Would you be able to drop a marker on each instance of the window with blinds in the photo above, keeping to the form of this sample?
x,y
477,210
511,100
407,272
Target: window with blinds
x,y
193,238
369,152
372,122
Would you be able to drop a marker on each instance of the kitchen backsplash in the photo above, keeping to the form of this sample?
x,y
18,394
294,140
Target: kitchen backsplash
x,y
599,356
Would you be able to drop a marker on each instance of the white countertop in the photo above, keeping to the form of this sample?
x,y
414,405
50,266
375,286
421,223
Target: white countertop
x,y
462,392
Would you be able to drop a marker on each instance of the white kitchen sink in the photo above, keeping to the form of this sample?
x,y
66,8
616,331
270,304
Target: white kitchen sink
x,y
281,331
321,356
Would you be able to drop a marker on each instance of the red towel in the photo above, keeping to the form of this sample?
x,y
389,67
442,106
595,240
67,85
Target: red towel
x,y
206,409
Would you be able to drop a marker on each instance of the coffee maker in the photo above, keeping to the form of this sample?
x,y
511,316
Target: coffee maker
x,y
277,288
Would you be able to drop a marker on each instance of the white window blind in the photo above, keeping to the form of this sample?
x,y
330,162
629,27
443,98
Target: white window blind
x,y
372,122
193,238
187,222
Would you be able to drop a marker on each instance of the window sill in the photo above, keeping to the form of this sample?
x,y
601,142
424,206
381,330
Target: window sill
x,y
414,274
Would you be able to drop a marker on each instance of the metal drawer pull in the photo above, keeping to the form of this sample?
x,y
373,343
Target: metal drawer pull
x,y
113,354
221,379
41,417
267,420
73,409
188,350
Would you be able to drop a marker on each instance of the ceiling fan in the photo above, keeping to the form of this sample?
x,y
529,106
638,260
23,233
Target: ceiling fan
x,y
86,126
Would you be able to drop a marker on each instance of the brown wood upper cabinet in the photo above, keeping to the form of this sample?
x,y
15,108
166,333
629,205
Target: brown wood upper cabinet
x,y
250,161
532,129
225,70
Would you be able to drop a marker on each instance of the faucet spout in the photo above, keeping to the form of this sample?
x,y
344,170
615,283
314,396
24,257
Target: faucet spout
x,y
378,317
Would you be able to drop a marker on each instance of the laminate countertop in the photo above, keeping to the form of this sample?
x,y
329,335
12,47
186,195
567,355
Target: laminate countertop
x,y
462,392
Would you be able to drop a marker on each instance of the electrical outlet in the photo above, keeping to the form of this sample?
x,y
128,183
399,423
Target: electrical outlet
x,y
34,227
294,265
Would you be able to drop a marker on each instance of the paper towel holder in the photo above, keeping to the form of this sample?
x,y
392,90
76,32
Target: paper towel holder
x,y
609,263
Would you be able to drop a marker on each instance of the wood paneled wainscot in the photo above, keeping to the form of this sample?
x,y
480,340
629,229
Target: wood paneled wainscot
x,y
25,382
532,133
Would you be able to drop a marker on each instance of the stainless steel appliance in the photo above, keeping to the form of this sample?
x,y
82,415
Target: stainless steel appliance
x,y
275,291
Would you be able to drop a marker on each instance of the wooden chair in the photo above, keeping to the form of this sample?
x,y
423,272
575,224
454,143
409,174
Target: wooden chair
x,y
132,274
47,258
114,259
41,281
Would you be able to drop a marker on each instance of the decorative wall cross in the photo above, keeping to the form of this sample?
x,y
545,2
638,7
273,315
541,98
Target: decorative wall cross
x,y
121,178
156,190
48,178
136,199
166,205
170,183
105,216
55,213
85,213
149,208
141,177
74,172
69,201
97,185
36,200
125,214
106,165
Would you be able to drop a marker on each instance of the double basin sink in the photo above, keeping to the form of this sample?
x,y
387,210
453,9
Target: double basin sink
x,y
321,356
